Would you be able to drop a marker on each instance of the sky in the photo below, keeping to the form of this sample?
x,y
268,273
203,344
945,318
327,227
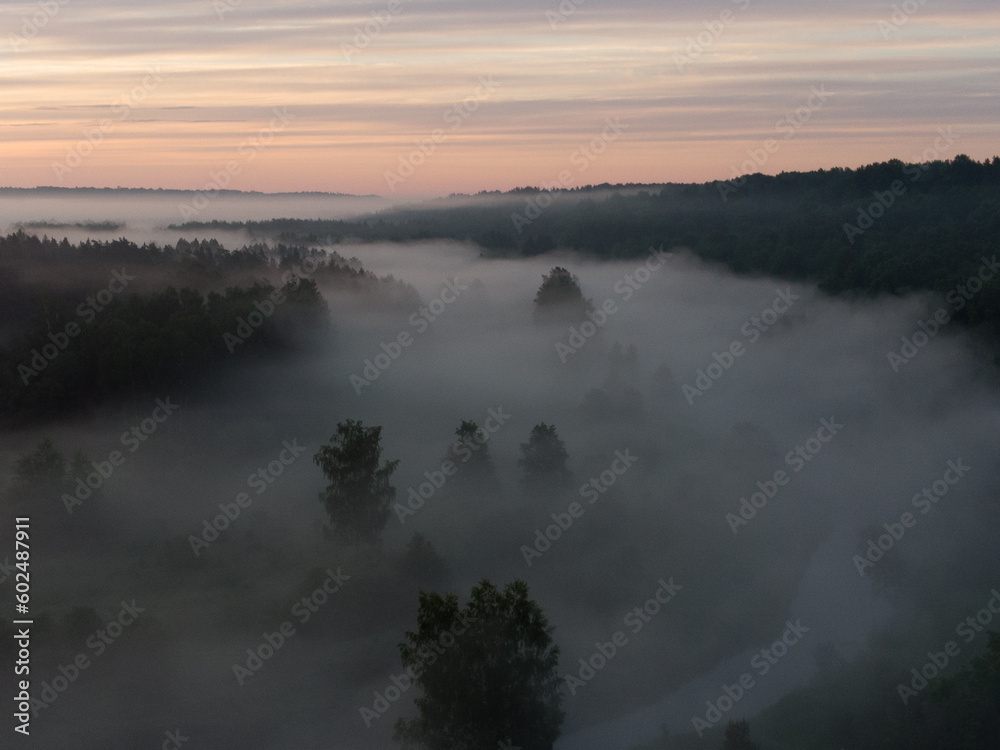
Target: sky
x,y
430,97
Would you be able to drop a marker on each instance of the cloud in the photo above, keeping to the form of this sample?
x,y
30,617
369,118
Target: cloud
x,y
361,108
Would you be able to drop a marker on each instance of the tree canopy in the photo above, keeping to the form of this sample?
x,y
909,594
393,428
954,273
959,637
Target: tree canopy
x,y
794,225
544,457
559,299
358,497
487,670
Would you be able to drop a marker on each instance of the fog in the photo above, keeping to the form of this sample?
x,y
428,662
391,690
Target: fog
x,y
808,362
151,209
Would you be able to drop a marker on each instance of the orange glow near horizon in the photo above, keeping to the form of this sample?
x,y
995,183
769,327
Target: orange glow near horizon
x,y
103,96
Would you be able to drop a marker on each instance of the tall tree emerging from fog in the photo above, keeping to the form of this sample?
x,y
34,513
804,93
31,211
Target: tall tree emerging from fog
x,y
472,448
359,495
559,299
544,458
488,672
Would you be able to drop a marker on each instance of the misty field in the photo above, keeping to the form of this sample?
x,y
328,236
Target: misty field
x,y
733,495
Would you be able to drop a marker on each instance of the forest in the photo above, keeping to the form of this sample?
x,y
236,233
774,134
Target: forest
x,y
494,542
846,230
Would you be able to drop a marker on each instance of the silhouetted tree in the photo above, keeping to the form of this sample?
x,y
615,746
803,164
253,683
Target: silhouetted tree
x,y
359,495
544,457
560,299
738,737
471,451
488,672
305,302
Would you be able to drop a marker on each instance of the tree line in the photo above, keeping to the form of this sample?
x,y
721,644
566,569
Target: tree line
x,y
850,231
81,324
